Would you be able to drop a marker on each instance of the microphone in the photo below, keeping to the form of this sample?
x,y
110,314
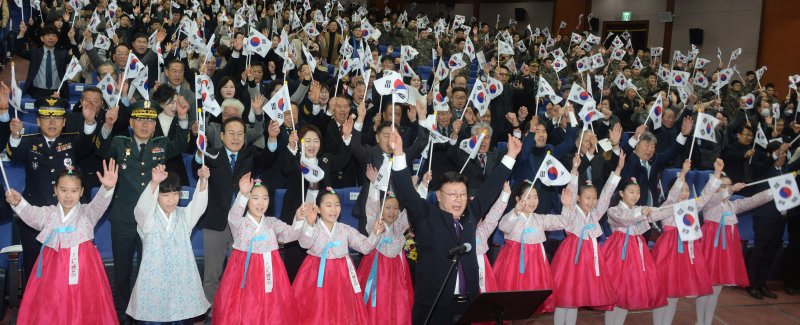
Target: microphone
x,y
460,250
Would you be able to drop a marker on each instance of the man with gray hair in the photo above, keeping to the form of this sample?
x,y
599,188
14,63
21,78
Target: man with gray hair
x,y
234,108
644,163
484,163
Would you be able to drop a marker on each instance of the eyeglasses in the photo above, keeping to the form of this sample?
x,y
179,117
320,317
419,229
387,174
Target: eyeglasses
x,y
455,196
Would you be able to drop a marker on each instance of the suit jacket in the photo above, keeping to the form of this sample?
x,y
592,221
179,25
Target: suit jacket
x,y
436,235
332,142
35,58
223,185
648,181
290,167
366,154
474,173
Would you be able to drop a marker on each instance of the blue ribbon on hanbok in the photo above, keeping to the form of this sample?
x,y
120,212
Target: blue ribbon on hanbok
x,y
249,252
323,259
580,240
625,243
59,230
371,286
680,244
522,248
720,229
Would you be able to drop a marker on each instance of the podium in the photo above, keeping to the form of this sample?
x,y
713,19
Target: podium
x,y
504,305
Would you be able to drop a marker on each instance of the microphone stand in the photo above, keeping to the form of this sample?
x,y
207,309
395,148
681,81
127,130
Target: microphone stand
x,y
453,263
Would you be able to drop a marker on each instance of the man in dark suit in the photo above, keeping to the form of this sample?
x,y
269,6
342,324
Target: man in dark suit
x,y
374,155
440,228
769,224
331,127
230,164
487,159
45,155
644,163
47,64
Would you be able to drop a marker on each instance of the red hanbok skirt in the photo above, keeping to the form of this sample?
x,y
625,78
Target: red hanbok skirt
x,y
636,279
395,292
680,274
336,302
578,285
725,262
252,304
537,276
50,299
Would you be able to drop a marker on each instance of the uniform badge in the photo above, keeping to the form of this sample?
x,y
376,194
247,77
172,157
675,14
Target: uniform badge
x,y
127,151
158,150
67,162
325,160
124,166
35,165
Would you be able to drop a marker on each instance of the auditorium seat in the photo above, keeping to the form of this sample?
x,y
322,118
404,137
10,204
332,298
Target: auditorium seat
x,y
102,235
348,197
187,163
278,201
75,91
29,128
5,241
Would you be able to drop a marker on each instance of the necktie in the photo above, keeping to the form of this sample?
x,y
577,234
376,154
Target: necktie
x,y
48,70
49,144
141,150
482,160
462,281
233,162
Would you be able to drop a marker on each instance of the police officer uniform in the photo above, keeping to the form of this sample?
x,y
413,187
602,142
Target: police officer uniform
x,y
44,159
135,159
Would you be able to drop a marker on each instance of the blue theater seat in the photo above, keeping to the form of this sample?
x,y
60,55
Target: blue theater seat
x,y
16,175
348,198
75,91
102,234
5,240
187,163
30,128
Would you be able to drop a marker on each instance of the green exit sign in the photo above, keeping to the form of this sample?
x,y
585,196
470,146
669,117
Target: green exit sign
x,y
626,16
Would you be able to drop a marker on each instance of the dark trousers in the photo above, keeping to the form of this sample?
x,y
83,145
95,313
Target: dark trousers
x,y
37,93
293,257
447,314
30,249
769,232
791,257
124,242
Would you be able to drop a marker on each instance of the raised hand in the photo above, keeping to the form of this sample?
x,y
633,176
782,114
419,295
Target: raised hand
x,y
16,128
379,227
396,142
13,197
738,187
687,165
372,173
204,173
110,174
158,174
182,108
576,162
273,129
347,127
566,196
718,166
5,94
111,117
258,104
293,140
426,179
620,164
506,187
246,184
616,134
514,147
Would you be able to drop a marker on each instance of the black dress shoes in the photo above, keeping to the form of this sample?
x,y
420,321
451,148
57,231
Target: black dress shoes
x,y
755,293
766,293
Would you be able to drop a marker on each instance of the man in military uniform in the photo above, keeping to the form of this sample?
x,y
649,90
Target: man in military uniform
x,y
549,73
424,44
136,157
45,155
